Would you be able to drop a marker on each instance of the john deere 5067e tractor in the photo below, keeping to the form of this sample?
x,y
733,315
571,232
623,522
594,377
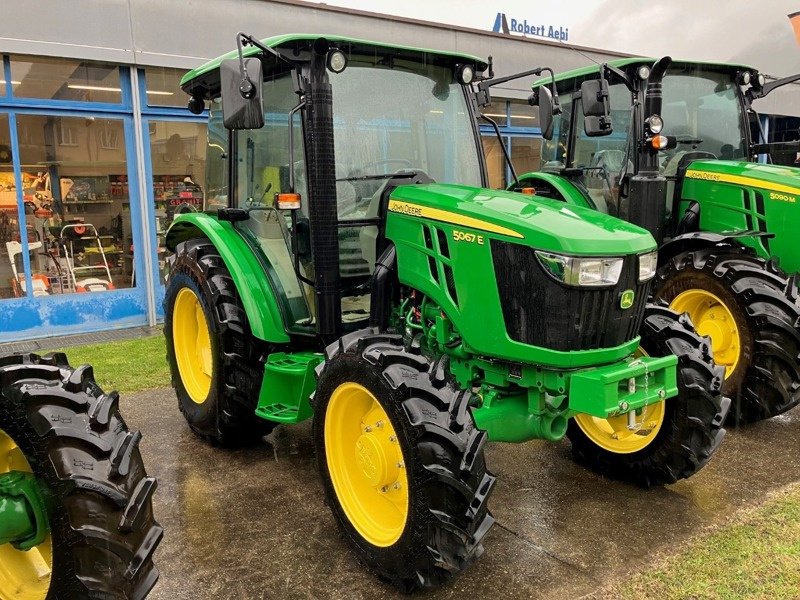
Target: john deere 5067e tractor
x,y
360,261
726,225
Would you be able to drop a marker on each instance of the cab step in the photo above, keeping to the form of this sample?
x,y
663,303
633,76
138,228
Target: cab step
x,y
288,382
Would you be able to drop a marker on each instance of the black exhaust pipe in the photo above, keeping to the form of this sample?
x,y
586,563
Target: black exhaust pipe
x,y
648,189
322,197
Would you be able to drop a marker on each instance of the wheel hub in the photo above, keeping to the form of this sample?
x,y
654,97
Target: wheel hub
x,y
373,453
712,318
366,465
192,342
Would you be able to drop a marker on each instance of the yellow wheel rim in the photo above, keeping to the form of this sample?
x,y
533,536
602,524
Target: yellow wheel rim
x,y
615,435
192,343
366,464
24,575
713,319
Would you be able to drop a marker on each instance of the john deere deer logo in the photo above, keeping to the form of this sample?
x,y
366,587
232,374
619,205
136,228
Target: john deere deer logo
x,y
626,300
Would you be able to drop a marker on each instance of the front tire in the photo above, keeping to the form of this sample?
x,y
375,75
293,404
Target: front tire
x,y
58,424
750,311
677,436
401,461
216,363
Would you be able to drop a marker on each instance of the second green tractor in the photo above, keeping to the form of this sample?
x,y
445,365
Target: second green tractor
x,y
360,273
668,145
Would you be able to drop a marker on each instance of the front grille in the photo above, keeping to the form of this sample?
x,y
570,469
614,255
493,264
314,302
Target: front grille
x,y
540,311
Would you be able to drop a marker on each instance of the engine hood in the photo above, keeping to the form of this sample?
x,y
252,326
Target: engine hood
x,y
541,223
772,178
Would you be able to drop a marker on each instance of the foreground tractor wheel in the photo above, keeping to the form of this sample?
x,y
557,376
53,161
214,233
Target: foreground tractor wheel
x,y
401,461
751,313
214,359
95,532
672,439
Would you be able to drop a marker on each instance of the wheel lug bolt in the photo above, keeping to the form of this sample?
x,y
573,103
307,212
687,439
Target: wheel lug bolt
x,y
392,438
379,424
367,429
401,465
396,485
385,489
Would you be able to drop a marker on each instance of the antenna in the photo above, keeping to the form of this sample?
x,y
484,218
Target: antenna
x,y
583,54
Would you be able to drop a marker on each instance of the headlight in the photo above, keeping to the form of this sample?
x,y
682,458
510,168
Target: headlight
x,y
655,124
581,271
648,263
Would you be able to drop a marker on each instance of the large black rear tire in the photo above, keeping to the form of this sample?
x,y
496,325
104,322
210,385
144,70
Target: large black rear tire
x,y
100,512
763,304
225,416
447,481
691,429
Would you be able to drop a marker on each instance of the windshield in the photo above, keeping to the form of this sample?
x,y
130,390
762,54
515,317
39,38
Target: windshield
x,y
410,117
702,110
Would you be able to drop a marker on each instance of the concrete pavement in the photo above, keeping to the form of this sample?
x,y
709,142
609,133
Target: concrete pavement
x,y
252,523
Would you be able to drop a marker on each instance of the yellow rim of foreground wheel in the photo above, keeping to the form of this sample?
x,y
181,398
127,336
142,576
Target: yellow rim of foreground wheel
x,y
192,343
24,575
366,464
615,435
713,319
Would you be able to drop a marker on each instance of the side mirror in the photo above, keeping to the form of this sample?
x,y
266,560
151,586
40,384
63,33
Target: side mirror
x,y
546,112
242,105
596,109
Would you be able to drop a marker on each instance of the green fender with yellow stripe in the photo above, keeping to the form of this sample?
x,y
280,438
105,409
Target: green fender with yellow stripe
x,y
258,298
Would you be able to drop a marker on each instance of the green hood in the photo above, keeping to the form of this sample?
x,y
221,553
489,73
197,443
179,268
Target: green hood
x,y
772,178
542,223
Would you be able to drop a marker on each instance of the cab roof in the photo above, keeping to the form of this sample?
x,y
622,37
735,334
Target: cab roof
x,y
634,62
205,78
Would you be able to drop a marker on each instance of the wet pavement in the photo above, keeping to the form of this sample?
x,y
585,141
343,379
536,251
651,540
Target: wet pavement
x,y
252,523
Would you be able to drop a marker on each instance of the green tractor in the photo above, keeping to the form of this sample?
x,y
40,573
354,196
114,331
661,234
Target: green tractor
x,y
724,223
76,514
413,320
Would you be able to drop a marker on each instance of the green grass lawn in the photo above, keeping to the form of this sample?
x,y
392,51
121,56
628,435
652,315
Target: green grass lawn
x,y
125,366
757,555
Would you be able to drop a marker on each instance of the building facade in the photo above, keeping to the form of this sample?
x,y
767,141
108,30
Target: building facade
x,y
98,152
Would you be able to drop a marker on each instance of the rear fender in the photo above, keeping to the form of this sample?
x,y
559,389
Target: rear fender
x,y
554,186
698,240
258,297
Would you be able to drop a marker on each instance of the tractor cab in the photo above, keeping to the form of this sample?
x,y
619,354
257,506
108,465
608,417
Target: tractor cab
x,y
706,114
399,116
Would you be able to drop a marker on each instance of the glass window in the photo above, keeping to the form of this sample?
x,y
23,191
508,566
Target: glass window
x,y
526,154
495,161
12,273
262,169
65,79
702,110
523,114
163,87
178,158
607,158
554,151
77,205
496,111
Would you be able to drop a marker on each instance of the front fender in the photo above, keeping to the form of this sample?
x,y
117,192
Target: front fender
x,y
258,297
559,187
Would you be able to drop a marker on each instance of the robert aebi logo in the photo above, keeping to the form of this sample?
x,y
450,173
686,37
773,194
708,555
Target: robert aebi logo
x,y
501,25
